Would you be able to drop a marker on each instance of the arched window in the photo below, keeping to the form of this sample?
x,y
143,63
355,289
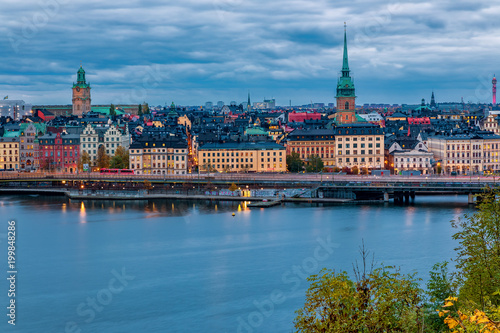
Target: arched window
x,y
347,105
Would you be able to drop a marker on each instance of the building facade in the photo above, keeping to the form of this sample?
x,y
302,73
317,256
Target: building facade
x,y
320,142
81,94
461,153
359,145
242,157
406,156
28,148
109,136
159,156
9,153
59,152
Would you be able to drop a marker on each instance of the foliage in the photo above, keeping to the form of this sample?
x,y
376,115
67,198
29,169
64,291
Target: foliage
x,y
459,321
147,185
336,169
439,169
294,163
84,159
121,159
233,187
382,300
139,110
355,170
102,158
478,254
439,288
314,164
112,110
146,108
208,167
364,171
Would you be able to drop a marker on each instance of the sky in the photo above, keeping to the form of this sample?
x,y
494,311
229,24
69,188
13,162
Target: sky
x,y
193,51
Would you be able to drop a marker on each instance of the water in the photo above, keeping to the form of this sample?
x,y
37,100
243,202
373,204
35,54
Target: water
x,y
193,267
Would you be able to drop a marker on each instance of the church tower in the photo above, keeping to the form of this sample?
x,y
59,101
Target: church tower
x,y
81,94
346,98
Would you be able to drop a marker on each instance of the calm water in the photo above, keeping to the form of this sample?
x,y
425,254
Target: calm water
x,y
193,267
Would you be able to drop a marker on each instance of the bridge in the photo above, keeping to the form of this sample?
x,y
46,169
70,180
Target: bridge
x,y
399,188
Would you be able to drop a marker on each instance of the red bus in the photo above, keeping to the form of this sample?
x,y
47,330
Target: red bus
x,y
117,171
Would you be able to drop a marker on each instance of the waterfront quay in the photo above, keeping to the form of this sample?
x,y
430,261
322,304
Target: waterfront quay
x,y
245,187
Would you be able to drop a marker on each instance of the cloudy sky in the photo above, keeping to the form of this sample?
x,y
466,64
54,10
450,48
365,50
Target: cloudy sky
x,y
193,51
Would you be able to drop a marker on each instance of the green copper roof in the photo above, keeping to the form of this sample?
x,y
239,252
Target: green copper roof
x,y
11,134
105,110
345,86
40,127
80,79
345,63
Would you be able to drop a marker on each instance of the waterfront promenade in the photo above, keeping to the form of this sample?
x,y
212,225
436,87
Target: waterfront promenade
x,y
287,186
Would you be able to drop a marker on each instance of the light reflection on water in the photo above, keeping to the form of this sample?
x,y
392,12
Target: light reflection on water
x,y
194,261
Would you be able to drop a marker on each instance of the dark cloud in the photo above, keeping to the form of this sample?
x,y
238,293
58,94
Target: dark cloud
x,y
199,50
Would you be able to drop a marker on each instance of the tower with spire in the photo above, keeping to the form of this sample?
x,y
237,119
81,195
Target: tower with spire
x,y
81,94
494,90
249,106
433,101
346,97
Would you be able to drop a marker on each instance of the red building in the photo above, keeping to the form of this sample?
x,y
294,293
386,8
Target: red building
x,y
59,152
300,117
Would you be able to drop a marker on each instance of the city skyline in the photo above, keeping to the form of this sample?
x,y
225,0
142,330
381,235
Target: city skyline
x,y
202,51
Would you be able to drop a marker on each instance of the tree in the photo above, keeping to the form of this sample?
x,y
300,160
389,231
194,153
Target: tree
x,y
314,164
121,159
102,158
478,254
112,110
84,159
233,187
439,288
146,108
355,170
381,300
364,171
294,163
139,110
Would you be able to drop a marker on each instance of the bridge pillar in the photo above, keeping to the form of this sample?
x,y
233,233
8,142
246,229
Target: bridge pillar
x,y
407,196
386,196
412,195
471,199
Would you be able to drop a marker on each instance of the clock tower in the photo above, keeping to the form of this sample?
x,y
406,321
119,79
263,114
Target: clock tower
x,y
81,94
346,98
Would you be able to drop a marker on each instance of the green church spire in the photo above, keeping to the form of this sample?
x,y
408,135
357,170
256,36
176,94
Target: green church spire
x,y
345,85
345,63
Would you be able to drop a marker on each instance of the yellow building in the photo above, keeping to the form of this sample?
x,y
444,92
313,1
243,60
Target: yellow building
x,y
159,156
320,142
242,157
9,153
359,145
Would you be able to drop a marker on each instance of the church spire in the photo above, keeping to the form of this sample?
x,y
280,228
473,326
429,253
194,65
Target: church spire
x,y
345,63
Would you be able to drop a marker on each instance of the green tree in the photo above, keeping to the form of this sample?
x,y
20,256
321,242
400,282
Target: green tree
x,y
478,254
139,110
112,110
294,163
382,300
439,288
84,159
146,108
121,159
355,170
314,164
102,158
